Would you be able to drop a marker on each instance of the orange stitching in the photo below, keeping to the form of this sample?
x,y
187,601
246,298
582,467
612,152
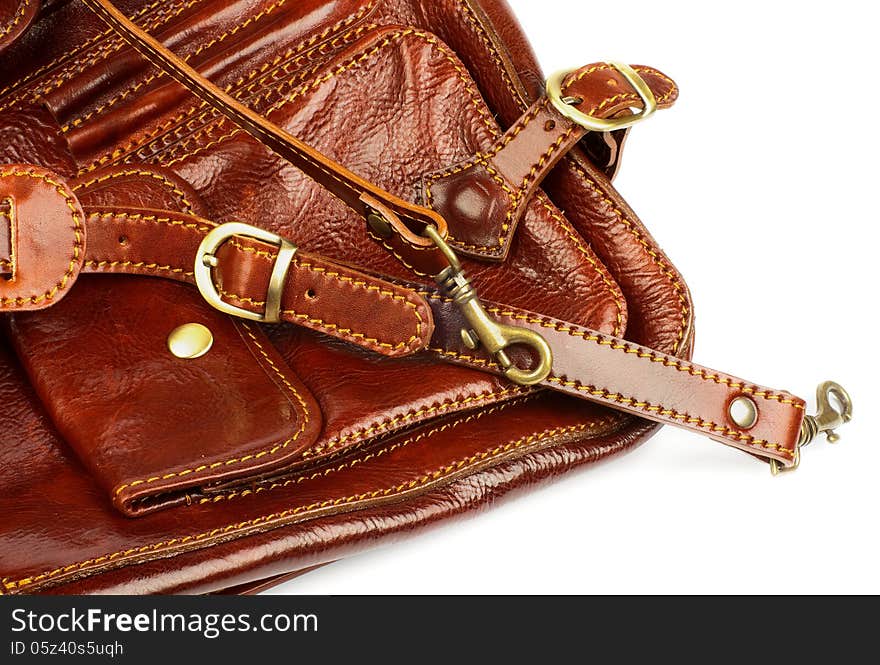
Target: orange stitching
x,y
403,488
150,174
619,345
613,289
588,181
98,264
384,451
355,61
252,456
16,18
152,77
102,54
75,51
335,329
675,415
146,140
77,239
140,217
331,328
304,44
382,426
655,256
484,37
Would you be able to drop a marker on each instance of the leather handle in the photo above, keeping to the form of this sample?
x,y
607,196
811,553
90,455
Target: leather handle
x,y
407,220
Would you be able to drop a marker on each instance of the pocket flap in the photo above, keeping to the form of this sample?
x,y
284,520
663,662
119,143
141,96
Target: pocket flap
x,y
152,427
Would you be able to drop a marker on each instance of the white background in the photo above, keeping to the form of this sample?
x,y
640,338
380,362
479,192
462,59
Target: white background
x,y
761,184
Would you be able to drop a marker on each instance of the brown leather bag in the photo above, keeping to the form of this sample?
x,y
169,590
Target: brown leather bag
x,y
282,278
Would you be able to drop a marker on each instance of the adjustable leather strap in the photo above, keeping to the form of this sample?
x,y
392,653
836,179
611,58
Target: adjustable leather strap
x,y
484,197
406,220
395,320
632,378
587,364
52,239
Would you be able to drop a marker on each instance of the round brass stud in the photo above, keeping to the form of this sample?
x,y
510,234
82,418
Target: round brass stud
x,y
190,341
743,412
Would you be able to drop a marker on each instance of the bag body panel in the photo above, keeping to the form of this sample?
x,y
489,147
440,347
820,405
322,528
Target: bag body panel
x,y
496,439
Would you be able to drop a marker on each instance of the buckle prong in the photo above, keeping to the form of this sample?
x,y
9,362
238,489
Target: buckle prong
x,y
206,261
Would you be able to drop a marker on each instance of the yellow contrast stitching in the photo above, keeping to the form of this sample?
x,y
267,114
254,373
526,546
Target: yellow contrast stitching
x,y
77,240
252,456
334,328
188,207
75,51
405,487
99,264
102,54
667,361
613,289
140,217
16,18
373,455
385,425
266,67
152,77
655,256
327,327
355,61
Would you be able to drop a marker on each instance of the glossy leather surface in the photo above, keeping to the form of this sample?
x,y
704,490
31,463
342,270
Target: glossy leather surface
x,y
405,441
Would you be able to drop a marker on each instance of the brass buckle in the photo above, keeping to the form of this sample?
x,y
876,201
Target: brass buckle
x,y
206,261
565,106
494,336
828,418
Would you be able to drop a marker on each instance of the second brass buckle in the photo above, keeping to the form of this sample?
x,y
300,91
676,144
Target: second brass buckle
x,y
206,261
495,337
592,123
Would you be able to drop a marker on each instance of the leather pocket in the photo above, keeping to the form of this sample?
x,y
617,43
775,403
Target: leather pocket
x,y
152,428
393,106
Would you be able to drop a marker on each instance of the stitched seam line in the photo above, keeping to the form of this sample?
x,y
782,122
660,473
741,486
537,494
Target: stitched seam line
x,y
16,18
665,269
484,37
385,425
674,415
518,195
98,264
356,61
666,361
252,456
181,196
102,54
149,138
336,276
448,470
152,219
152,77
654,255
269,485
612,288
75,51
77,240
332,328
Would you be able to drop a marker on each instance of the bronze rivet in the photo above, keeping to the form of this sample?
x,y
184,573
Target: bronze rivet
x,y
190,341
549,126
743,412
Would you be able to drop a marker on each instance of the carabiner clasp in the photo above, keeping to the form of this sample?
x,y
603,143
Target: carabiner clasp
x,y
484,330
